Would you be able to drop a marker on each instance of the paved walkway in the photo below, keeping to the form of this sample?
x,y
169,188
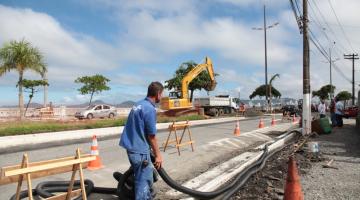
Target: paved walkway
x,y
343,145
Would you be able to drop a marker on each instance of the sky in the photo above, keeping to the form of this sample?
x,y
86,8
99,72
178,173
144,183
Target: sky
x,y
133,43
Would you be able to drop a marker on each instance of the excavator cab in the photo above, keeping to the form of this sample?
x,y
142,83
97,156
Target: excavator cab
x,y
174,95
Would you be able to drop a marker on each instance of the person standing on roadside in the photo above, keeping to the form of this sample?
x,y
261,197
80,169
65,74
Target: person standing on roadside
x,y
339,111
138,136
322,108
332,112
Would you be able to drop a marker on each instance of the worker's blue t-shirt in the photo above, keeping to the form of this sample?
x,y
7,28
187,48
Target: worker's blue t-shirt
x,y
140,123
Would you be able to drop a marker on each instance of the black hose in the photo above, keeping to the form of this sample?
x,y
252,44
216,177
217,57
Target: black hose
x,y
121,187
212,194
254,170
23,194
45,189
229,188
247,175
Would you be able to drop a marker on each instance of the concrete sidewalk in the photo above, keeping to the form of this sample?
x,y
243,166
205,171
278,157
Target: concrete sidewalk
x,y
9,144
342,145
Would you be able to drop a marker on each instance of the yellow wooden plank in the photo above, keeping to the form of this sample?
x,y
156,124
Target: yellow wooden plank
x,y
8,168
48,166
185,143
35,175
63,196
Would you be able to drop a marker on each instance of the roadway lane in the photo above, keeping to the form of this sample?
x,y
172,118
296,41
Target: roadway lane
x,y
213,144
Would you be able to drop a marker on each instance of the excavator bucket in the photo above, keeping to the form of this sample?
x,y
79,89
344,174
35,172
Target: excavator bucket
x,y
211,86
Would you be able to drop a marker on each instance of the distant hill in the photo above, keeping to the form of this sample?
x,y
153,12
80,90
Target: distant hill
x,y
31,105
126,104
83,105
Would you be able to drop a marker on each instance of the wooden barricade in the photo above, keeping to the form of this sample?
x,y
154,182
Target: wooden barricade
x,y
29,171
47,112
179,141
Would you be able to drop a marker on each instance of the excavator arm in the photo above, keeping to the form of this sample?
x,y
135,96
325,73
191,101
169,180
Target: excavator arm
x,y
171,104
194,73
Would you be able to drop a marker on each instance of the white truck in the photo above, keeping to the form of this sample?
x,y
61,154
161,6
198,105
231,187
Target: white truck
x,y
218,105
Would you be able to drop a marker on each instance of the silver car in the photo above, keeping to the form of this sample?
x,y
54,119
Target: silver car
x,y
98,111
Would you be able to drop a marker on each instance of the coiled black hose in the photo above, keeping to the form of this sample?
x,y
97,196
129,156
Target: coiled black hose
x,y
212,194
45,189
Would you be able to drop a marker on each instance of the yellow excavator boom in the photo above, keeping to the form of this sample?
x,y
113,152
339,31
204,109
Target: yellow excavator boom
x,y
184,102
194,73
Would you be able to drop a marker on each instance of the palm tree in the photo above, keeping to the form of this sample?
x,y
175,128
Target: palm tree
x,y
270,84
21,56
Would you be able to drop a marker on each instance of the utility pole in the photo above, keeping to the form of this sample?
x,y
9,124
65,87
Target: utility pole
x,y
352,57
306,117
331,92
330,62
265,41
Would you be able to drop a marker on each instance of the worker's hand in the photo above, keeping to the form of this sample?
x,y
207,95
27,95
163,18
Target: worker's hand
x,y
158,161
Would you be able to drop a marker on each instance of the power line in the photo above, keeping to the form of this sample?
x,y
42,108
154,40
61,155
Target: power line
x,y
322,50
316,43
328,26
337,19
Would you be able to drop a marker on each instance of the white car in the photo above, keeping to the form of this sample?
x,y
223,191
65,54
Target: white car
x,y
98,111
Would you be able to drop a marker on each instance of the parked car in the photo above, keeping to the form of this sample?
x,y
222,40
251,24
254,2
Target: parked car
x,y
98,111
290,109
351,111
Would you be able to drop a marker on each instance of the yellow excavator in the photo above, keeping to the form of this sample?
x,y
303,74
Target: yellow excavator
x,y
177,101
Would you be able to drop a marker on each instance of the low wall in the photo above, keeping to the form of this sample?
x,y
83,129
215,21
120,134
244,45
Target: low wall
x,y
58,112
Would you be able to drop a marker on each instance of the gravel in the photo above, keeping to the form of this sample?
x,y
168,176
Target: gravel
x,y
343,146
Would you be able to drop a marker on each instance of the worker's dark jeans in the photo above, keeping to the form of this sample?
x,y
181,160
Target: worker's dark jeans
x,y
333,119
339,120
143,175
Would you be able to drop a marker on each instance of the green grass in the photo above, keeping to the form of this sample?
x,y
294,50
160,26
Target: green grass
x,y
30,127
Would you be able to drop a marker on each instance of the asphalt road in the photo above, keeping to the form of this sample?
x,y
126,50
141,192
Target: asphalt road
x,y
213,144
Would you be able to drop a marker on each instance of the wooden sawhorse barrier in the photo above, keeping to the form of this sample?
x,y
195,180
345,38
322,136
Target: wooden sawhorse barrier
x,y
179,141
17,173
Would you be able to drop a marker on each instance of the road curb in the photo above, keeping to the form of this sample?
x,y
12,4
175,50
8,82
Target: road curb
x,y
12,144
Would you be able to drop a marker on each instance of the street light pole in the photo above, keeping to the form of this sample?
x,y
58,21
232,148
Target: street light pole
x,y
266,76
265,27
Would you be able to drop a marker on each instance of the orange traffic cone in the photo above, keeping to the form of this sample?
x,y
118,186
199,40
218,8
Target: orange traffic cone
x,y
261,123
293,186
95,164
273,122
237,129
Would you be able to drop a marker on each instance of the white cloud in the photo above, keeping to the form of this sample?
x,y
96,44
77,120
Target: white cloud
x,y
65,52
152,33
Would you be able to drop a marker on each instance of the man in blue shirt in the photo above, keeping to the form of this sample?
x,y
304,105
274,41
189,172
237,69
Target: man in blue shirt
x,y
138,136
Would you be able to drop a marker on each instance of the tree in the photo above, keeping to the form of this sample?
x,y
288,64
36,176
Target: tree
x,y
21,56
324,91
270,84
343,96
92,84
261,92
30,87
200,82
